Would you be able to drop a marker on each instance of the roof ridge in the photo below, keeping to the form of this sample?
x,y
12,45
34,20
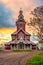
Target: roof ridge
x,y
22,30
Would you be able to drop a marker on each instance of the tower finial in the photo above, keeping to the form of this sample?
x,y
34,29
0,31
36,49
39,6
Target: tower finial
x,y
20,8
21,14
20,11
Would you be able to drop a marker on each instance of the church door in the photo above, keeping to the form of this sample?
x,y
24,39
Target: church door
x,y
21,46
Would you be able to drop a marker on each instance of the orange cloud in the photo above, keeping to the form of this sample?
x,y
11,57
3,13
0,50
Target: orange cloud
x,y
15,5
5,34
7,30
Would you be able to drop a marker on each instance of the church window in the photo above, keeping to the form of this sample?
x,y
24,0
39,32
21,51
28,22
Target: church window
x,y
20,35
20,25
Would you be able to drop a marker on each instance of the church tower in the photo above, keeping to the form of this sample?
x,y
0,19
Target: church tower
x,y
20,38
20,23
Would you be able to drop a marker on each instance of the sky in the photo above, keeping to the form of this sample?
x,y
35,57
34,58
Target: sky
x,y
7,24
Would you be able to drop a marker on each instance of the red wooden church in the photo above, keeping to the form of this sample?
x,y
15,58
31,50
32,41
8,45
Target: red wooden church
x,y
21,38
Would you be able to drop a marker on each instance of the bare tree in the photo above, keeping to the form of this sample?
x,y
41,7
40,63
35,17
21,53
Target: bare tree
x,y
37,20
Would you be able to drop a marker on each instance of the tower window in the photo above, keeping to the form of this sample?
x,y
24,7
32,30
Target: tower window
x,y
20,25
21,35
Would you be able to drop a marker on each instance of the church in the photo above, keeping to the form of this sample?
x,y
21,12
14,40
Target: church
x,y
21,38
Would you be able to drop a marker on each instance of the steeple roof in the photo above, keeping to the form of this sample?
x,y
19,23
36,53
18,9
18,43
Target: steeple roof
x,y
26,33
20,17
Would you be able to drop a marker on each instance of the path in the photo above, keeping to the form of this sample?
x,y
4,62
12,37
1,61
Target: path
x,y
11,58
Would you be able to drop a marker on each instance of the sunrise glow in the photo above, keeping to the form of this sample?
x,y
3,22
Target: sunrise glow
x,y
27,6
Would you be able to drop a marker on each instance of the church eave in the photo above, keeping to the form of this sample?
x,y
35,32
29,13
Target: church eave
x,y
28,34
13,34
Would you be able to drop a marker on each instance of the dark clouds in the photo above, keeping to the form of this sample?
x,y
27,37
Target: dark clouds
x,y
6,17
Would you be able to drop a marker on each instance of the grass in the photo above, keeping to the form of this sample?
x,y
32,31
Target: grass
x,y
1,50
36,60
21,50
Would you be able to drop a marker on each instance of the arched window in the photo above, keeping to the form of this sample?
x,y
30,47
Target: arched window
x,y
21,35
20,25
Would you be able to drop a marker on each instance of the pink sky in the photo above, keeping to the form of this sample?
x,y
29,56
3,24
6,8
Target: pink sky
x,y
26,5
15,5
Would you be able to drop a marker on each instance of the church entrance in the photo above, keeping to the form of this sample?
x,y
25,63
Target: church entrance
x,y
21,45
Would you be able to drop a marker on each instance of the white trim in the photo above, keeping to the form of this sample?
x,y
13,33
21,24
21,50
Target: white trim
x,y
20,30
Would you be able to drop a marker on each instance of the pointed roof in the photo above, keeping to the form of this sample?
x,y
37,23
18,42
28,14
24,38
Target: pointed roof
x,y
24,42
19,31
20,17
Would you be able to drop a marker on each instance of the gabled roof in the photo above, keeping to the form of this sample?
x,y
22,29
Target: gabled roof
x,y
19,31
14,33
24,42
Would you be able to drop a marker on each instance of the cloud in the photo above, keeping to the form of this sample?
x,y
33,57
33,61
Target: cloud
x,y
6,17
34,38
15,5
26,5
7,30
5,34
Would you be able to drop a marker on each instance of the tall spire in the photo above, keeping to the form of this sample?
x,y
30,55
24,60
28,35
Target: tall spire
x,y
20,12
20,17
